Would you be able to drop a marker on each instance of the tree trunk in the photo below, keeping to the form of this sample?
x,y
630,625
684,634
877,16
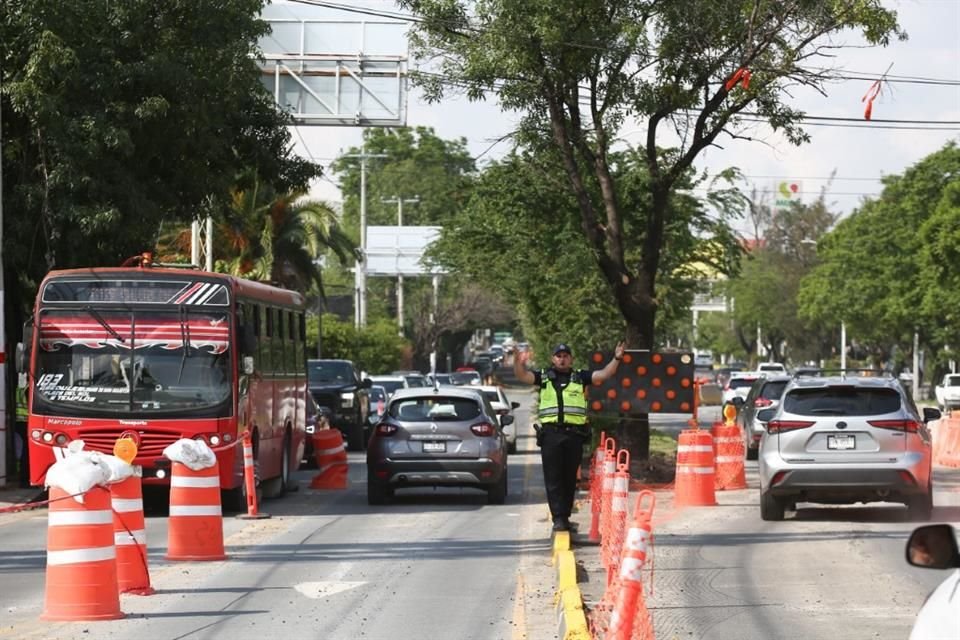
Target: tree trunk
x,y
639,309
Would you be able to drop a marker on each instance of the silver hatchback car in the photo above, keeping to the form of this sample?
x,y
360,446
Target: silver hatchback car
x,y
843,439
440,436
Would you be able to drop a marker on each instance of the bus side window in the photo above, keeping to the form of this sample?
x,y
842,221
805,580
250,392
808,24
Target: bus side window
x,y
266,340
299,366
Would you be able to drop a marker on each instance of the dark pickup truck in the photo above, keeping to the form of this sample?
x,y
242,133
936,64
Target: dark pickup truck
x,y
337,386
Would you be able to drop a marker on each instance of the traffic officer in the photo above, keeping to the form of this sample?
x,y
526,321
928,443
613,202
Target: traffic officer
x,y
20,445
562,413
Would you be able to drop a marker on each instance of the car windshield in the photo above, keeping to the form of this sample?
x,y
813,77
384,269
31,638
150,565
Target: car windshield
x,y
435,409
390,385
132,362
329,371
842,401
377,393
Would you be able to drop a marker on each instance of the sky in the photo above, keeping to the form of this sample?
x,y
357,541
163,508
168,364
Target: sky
x,y
859,153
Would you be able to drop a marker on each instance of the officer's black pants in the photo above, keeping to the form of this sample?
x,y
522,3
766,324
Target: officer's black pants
x,y
561,454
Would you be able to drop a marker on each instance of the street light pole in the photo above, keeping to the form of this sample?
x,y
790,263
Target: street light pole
x,y
399,201
360,269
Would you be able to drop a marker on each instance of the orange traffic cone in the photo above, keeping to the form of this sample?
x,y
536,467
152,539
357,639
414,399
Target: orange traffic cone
x,y
606,491
195,530
81,558
694,485
630,601
596,487
729,473
130,537
613,544
331,457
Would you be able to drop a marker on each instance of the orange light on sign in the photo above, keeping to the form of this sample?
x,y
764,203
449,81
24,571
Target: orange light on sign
x,y
671,370
656,358
611,393
626,382
641,393
656,382
655,406
597,357
596,405
625,406
627,358
671,394
684,382
684,406
641,370
125,449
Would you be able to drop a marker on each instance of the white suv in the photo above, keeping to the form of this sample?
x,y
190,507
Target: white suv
x,y
846,439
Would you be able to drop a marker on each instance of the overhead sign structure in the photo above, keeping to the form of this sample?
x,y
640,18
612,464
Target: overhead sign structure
x,y
329,71
399,251
645,382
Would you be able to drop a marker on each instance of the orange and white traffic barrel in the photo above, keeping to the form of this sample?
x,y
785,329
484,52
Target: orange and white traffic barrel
x,y
130,537
81,558
694,484
331,455
195,530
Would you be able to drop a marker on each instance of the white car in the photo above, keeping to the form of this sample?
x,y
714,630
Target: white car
x,y
502,405
390,383
935,547
771,367
739,385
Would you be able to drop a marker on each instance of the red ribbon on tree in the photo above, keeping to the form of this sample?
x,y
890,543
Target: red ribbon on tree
x,y
872,94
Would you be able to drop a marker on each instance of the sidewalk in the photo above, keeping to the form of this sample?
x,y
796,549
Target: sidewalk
x,y
13,495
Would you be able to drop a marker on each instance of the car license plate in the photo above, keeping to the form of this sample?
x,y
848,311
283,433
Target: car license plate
x,y
841,442
434,447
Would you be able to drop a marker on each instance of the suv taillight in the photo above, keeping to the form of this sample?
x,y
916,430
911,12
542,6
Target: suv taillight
x,y
484,429
386,429
909,426
780,426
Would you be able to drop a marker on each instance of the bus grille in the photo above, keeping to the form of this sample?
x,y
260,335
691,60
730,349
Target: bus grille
x,y
152,443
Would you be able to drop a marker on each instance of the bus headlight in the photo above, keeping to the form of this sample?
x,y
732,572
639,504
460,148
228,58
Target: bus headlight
x,y
214,440
346,400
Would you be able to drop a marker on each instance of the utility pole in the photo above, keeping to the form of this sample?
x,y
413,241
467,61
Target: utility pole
x,y
4,423
399,202
360,269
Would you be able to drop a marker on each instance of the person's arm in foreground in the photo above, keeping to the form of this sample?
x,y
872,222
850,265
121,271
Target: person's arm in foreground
x,y
600,375
523,374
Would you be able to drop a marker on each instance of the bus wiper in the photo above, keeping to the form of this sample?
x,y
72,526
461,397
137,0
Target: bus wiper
x,y
103,323
185,338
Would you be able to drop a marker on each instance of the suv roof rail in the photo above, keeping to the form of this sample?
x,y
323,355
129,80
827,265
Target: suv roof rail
x,y
855,371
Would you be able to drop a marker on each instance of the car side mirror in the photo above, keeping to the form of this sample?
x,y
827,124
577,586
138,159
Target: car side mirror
x,y
248,341
248,368
931,413
737,401
515,405
505,420
933,547
366,383
765,415
22,357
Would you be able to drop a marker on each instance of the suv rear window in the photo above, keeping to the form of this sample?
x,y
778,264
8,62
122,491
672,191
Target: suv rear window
x,y
434,409
842,401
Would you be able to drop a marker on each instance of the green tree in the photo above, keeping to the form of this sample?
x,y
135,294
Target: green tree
x,y
577,70
121,116
879,276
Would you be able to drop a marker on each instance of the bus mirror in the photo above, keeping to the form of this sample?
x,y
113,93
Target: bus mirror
x,y
248,365
20,360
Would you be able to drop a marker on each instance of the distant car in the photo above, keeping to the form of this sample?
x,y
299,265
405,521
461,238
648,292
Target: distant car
x,y
504,407
843,439
414,378
935,547
771,367
467,375
765,393
390,383
703,360
738,385
446,436
440,378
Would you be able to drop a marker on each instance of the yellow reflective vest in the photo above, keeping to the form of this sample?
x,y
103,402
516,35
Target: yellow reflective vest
x,y
22,411
570,407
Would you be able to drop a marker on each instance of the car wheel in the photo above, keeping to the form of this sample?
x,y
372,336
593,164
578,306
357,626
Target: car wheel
x,y
771,506
285,463
921,507
512,447
497,494
378,492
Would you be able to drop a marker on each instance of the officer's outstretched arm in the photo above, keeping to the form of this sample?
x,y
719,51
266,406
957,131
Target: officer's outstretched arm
x,y
608,371
519,370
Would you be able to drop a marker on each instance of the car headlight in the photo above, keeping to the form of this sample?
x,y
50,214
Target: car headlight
x,y
346,399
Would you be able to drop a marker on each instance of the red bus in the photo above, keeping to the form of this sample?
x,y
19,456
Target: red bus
x,y
168,353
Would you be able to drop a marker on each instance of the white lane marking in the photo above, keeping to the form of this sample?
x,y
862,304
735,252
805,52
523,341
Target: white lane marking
x,y
317,590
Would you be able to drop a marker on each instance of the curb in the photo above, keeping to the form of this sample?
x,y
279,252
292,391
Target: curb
x,y
571,618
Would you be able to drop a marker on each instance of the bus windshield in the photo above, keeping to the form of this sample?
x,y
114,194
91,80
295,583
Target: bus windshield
x,y
108,362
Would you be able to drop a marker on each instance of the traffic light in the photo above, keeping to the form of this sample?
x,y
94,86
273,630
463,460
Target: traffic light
x,y
645,382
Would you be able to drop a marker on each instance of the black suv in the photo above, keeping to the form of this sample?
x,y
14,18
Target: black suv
x,y
337,385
